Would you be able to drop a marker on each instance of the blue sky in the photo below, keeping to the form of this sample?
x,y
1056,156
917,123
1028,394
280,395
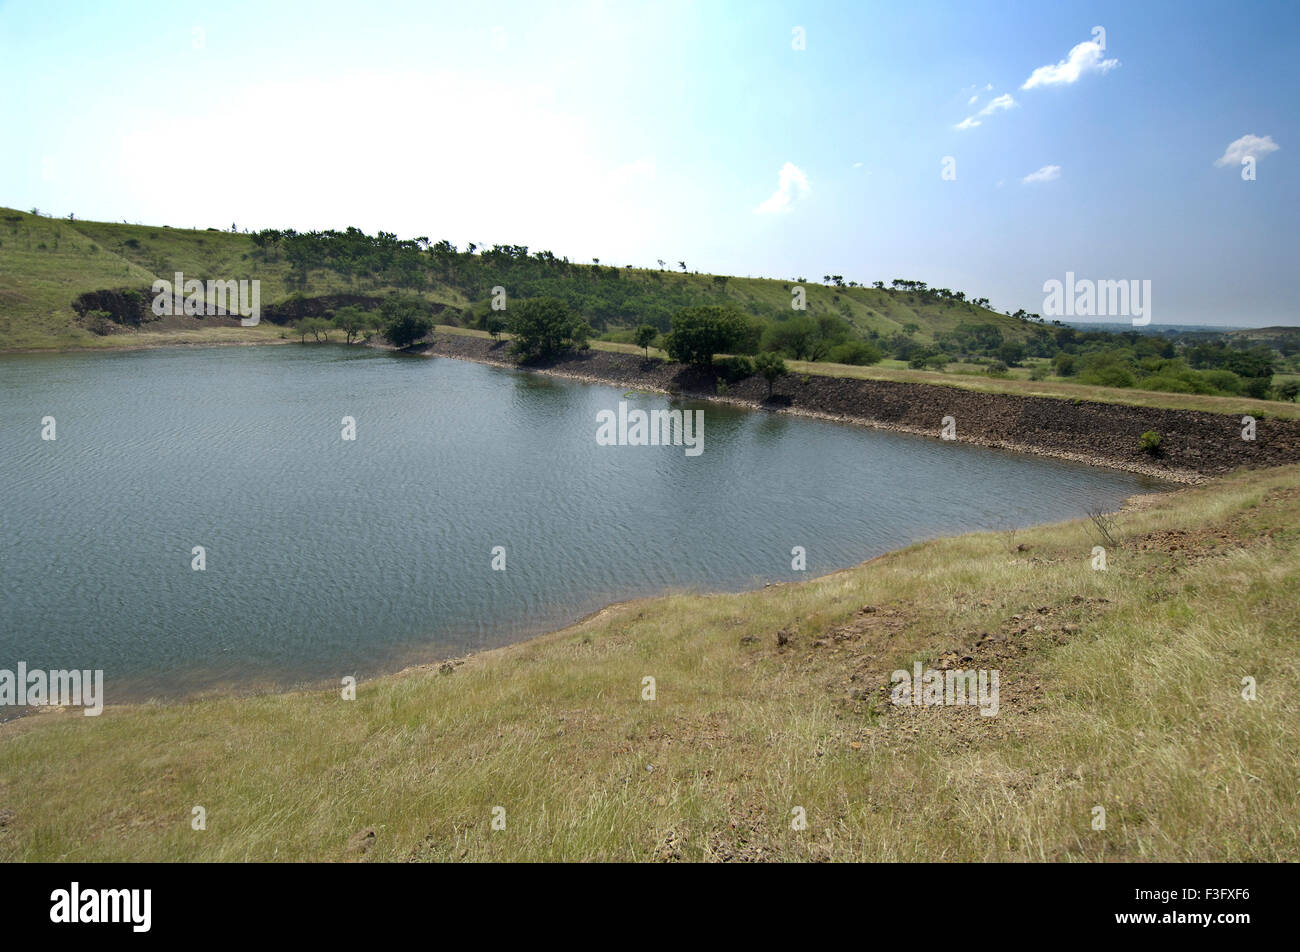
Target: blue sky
x,y
634,132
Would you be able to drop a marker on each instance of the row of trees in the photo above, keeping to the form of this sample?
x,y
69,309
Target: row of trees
x,y
402,319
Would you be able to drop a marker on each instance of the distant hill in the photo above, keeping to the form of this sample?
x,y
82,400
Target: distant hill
x,y
47,263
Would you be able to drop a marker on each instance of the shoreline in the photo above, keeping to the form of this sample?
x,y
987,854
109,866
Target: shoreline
x,y
271,688
1183,477
231,692
1196,445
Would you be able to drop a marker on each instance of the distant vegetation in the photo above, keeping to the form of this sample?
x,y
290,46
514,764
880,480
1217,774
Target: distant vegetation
x,y
334,285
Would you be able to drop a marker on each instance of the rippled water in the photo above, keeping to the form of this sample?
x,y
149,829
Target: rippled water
x,y
327,558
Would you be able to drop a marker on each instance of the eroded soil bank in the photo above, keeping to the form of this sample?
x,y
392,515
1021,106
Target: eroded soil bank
x,y
1193,445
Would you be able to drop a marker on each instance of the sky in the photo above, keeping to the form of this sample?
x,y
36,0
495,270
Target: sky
x,y
984,147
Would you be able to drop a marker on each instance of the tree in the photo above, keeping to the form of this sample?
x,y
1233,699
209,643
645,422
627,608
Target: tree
x,y
351,321
771,366
405,318
544,328
318,327
1289,390
1011,353
683,264
700,332
1063,364
494,326
645,336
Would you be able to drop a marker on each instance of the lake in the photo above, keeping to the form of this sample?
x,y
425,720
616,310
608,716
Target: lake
x,y
326,557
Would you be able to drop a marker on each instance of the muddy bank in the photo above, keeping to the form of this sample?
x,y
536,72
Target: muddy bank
x,y
1193,445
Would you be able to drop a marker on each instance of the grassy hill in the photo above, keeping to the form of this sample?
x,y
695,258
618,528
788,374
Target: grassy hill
x,y
46,263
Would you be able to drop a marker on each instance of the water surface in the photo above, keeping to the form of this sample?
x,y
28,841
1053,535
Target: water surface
x,y
328,558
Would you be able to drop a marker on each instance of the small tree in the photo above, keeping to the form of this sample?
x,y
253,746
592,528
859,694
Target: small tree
x,y
772,366
645,336
406,319
700,332
351,321
544,328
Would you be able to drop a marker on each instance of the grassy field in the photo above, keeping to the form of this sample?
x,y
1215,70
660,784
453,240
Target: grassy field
x,y
1119,689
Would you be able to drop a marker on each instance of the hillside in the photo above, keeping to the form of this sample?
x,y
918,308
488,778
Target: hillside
x,y
46,263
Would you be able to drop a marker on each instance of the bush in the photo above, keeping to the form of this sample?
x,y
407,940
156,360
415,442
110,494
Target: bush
x,y
997,369
405,319
1289,390
543,328
771,366
1224,381
1063,364
700,332
1039,372
858,353
1257,387
735,368
1150,442
1109,376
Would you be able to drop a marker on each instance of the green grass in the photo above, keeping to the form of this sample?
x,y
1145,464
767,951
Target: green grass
x,y
1119,689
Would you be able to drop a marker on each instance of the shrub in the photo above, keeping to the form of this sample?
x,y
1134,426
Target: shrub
x,y
997,369
771,366
858,353
1150,442
700,332
1109,376
543,328
735,368
1063,364
406,319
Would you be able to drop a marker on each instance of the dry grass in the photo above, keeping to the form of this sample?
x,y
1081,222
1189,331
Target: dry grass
x,y
1119,689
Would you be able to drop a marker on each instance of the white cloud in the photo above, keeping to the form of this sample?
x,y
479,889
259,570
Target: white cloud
x,y
1247,145
1084,58
973,100
1048,173
791,182
994,105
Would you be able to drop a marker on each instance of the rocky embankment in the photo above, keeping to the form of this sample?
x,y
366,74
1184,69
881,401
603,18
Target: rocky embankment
x,y
1193,445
